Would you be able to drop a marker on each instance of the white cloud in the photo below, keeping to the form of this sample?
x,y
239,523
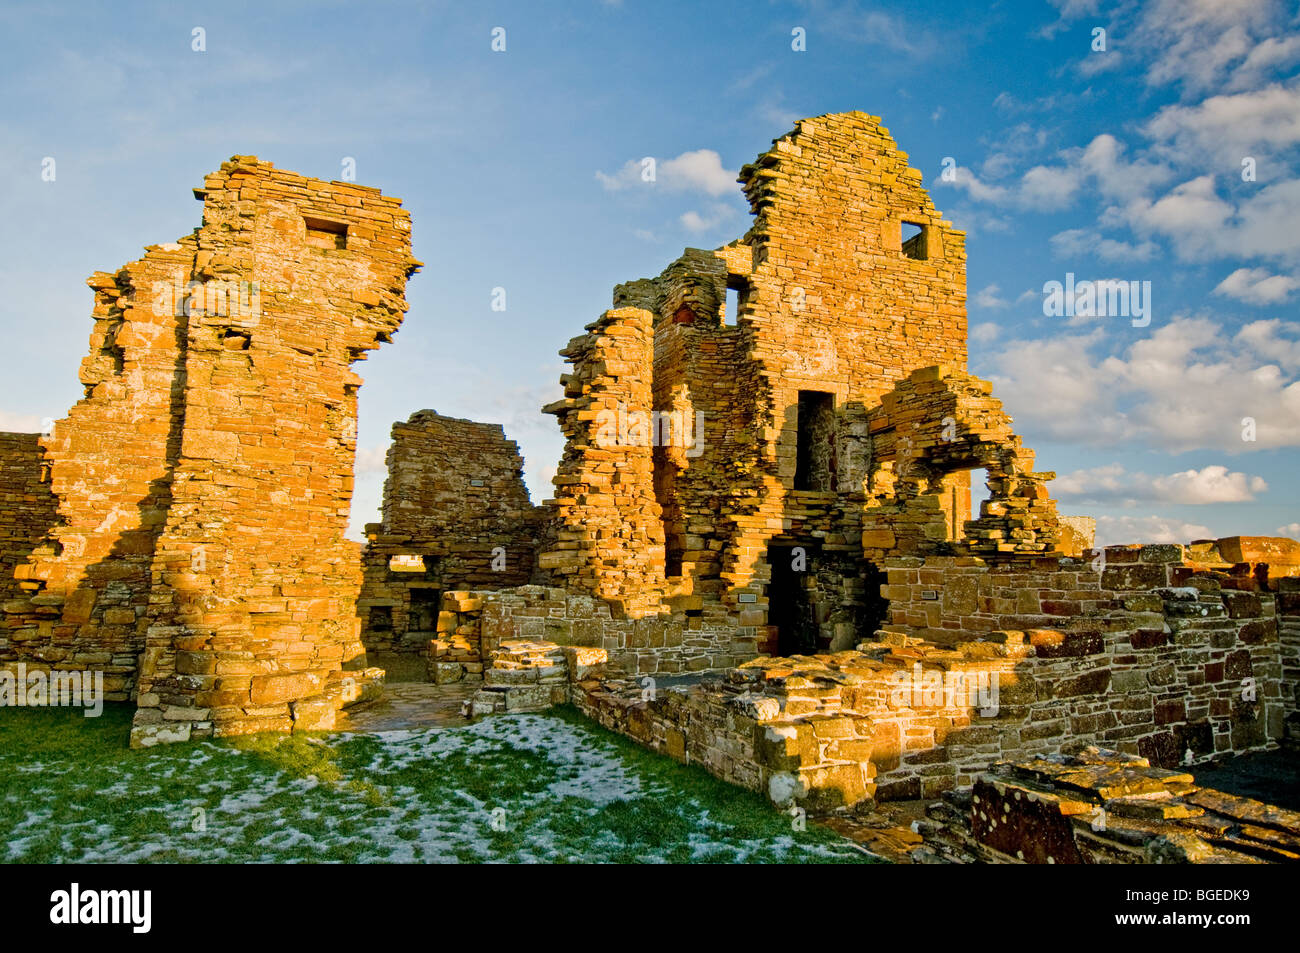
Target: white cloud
x,y
1084,241
19,423
964,178
989,297
693,221
1068,11
1101,166
1186,386
985,332
1268,344
1290,529
1204,44
1202,226
698,171
1111,484
372,459
1257,286
1118,530
1231,126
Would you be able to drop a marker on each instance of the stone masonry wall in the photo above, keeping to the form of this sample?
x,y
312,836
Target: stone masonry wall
x,y
254,614
204,482
27,512
911,719
456,515
938,424
607,531
86,586
479,621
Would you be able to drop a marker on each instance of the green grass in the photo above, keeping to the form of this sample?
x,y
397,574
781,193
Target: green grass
x,y
550,787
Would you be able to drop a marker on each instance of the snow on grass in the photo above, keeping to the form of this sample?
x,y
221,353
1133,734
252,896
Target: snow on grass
x,y
545,787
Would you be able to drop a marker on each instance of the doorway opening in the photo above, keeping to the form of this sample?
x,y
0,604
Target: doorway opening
x,y
789,606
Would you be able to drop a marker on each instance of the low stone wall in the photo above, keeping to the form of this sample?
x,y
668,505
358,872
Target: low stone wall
x,y
660,644
909,718
1101,807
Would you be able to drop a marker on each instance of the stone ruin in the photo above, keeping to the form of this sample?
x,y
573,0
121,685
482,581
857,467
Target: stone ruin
x,y
183,527
760,557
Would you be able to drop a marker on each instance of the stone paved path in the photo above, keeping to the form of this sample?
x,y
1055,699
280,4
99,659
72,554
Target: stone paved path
x,y
412,705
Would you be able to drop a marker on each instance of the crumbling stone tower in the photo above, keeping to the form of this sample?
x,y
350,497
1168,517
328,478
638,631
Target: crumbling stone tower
x,y
204,481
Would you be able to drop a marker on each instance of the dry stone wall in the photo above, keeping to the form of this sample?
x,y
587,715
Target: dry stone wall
x,y
456,515
1102,807
204,482
608,535
28,510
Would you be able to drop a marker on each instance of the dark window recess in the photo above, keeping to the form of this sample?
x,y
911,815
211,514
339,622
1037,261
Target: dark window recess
x,y
814,460
913,237
235,340
322,233
381,618
424,610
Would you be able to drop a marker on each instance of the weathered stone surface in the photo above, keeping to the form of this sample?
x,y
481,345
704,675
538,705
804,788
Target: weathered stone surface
x,y
203,483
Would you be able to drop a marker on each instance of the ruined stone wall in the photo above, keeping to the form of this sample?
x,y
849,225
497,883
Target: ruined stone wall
x,y
1101,807
86,586
1288,623
830,301
912,719
456,515
255,612
834,303
607,534
27,511
474,623
926,435
1155,655
205,480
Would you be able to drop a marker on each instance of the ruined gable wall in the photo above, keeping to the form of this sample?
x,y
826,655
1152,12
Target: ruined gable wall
x,y
86,585
833,302
454,495
453,478
253,611
837,305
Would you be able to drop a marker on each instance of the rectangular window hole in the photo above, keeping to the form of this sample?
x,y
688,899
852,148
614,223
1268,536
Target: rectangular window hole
x,y
814,456
913,237
322,233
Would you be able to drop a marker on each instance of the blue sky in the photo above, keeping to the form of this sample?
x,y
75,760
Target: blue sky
x,y
1123,163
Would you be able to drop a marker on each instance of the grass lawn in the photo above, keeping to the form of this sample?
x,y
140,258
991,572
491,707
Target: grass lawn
x,y
549,787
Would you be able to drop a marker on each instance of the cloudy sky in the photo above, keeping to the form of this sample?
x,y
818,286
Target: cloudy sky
x,y
1138,142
